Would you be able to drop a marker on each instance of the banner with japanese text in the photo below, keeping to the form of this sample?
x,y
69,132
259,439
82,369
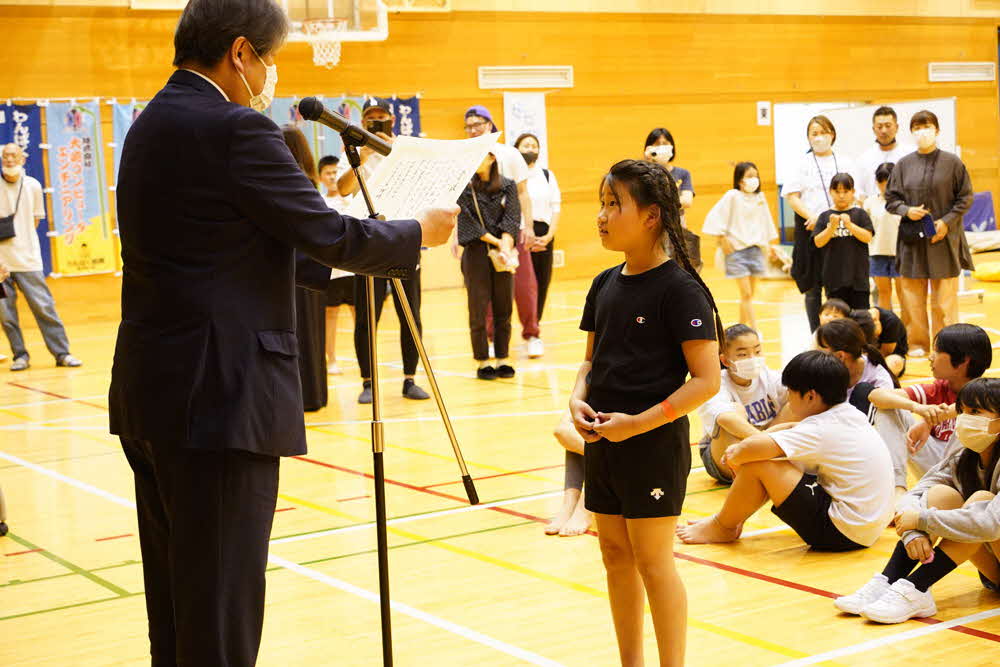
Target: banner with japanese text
x,y
21,124
525,112
84,242
123,115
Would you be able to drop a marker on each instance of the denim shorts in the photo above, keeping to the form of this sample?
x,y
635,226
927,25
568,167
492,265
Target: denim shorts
x,y
746,262
882,266
711,469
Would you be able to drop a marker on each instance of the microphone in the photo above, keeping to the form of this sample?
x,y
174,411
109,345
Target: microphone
x,y
312,109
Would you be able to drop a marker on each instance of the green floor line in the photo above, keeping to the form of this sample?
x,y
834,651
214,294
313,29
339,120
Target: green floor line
x,y
121,592
68,606
21,582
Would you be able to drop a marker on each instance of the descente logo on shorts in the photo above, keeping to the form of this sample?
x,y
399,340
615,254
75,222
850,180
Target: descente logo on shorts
x,y
696,322
656,493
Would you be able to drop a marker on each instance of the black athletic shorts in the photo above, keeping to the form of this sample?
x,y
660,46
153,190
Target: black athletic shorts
x,y
807,511
642,477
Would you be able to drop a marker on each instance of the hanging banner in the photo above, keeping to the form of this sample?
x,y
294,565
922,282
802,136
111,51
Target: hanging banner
x,y
525,112
84,242
123,115
329,140
407,113
21,124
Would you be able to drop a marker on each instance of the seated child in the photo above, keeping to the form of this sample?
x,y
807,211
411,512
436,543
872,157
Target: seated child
x,y
844,503
955,502
833,309
962,352
573,517
844,339
751,398
889,336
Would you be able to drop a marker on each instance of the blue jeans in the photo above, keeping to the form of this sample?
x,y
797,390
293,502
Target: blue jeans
x,y
39,298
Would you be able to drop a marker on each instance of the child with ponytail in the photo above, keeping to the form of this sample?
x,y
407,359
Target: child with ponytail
x,y
651,322
845,339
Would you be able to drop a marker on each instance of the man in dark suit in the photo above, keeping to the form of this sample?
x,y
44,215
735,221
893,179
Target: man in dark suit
x,y
205,391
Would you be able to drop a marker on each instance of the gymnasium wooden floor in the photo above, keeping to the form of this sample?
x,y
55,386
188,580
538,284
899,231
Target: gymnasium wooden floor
x,y
478,585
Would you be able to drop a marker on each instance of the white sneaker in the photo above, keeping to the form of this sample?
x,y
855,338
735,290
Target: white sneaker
x,y
536,348
864,596
334,369
900,603
917,352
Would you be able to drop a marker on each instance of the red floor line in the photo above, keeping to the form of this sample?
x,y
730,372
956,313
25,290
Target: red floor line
x,y
55,395
502,474
284,509
347,500
21,553
113,537
683,556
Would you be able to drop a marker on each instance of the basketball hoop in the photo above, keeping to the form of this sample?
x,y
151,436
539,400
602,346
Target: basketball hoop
x,y
324,36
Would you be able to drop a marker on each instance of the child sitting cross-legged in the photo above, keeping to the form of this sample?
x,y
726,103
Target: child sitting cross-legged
x,y
845,503
956,502
750,399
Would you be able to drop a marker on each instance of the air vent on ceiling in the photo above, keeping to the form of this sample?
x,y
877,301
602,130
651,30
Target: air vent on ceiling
x,y
962,71
538,76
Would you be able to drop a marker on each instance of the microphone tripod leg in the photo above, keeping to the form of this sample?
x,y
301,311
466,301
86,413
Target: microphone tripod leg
x,y
470,487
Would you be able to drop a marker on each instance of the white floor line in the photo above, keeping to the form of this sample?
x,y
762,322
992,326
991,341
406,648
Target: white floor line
x,y
417,517
436,418
413,612
765,531
891,639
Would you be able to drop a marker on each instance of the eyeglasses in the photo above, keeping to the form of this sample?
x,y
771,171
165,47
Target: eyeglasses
x,y
474,126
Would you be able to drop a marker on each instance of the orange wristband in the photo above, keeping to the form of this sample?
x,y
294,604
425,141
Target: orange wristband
x,y
668,411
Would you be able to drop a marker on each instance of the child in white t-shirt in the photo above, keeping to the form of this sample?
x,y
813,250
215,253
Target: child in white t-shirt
x,y
751,398
742,222
882,263
844,502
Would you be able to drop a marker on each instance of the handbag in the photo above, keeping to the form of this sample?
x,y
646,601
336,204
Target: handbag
x,y
7,222
501,260
915,231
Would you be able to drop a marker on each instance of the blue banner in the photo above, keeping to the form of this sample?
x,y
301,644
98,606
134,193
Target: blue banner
x,y
84,241
123,115
22,125
407,113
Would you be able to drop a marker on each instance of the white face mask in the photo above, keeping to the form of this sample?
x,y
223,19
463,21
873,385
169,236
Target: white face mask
x,y
751,184
925,137
821,143
973,432
662,153
748,369
12,172
263,101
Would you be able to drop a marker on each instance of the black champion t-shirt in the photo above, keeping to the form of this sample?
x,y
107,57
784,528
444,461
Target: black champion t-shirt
x,y
639,323
845,259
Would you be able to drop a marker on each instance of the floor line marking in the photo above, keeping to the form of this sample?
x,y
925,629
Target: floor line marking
x,y
104,583
499,474
57,400
437,418
892,639
55,395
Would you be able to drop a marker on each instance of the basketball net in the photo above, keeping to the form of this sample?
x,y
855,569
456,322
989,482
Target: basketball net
x,y
323,35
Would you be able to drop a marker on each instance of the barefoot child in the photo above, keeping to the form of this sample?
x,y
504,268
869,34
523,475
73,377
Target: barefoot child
x,y
846,503
751,399
956,502
651,322
573,517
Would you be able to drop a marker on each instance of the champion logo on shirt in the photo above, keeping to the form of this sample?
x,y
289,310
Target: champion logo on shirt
x,y
696,322
656,493
640,319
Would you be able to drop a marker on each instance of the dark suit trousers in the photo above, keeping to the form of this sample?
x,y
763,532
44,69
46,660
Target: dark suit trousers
x,y
406,343
486,287
204,524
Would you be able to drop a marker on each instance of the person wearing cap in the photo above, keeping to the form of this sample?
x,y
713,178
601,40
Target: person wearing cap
x,y
479,121
377,117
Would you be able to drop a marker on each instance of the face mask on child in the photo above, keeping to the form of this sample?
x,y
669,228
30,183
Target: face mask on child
x,y
751,184
748,369
974,432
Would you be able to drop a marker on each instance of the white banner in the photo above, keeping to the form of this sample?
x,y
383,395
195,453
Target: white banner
x,y
525,112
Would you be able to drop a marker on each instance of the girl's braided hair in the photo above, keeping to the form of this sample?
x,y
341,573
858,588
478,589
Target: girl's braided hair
x,y
650,183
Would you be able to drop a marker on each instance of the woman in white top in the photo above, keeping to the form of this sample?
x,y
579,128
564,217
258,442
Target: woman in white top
x,y
745,229
546,200
808,194
882,248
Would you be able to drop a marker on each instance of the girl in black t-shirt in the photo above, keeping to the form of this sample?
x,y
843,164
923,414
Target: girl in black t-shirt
x,y
651,321
842,235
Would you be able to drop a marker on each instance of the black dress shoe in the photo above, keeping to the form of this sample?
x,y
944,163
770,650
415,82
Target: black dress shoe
x,y
487,373
505,371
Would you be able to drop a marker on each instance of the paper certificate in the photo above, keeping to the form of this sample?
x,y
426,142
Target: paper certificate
x,y
422,173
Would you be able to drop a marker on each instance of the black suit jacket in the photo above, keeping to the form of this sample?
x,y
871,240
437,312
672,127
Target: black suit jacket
x,y
211,210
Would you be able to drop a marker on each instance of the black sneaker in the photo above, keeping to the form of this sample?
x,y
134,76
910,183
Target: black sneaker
x,y
366,393
487,373
504,371
413,392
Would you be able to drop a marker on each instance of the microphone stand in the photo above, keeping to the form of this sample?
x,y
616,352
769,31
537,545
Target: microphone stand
x,y
351,145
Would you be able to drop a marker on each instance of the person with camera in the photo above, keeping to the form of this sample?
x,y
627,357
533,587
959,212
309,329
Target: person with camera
x,y
377,118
